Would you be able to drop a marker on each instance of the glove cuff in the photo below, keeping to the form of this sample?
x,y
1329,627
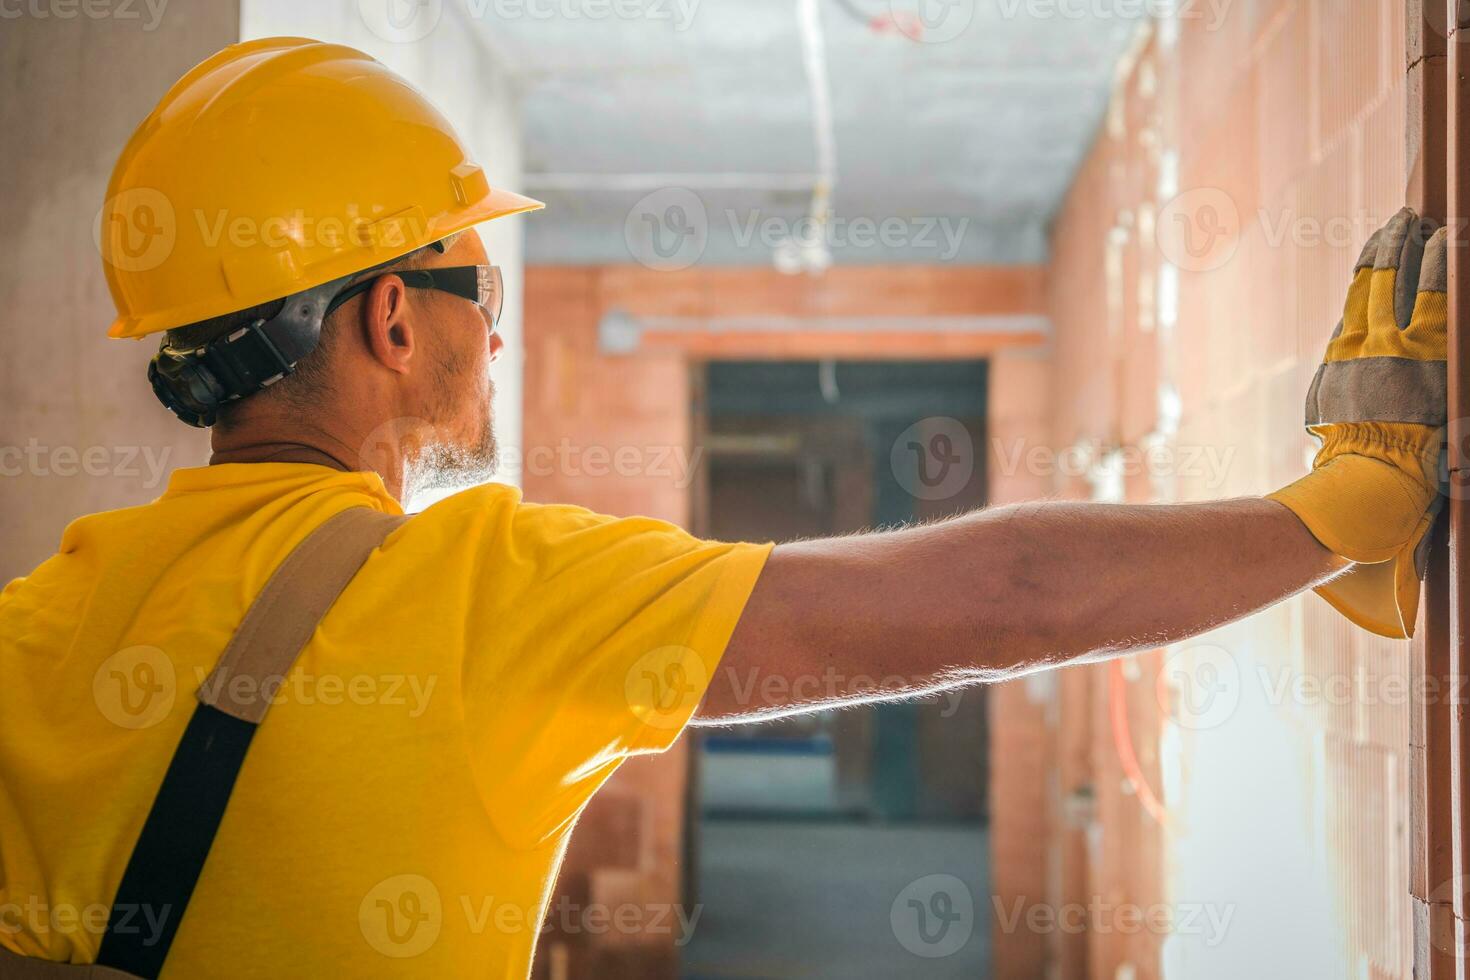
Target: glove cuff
x,y
1360,507
1409,447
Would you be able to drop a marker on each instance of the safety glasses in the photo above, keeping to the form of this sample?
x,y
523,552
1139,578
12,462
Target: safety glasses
x,y
480,284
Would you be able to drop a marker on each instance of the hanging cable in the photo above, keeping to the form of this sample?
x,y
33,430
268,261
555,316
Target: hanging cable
x,y
1123,743
906,24
809,252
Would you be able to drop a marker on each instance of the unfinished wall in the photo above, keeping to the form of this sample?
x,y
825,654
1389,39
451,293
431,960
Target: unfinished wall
x,y
1023,714
80,430
1249,788
581,412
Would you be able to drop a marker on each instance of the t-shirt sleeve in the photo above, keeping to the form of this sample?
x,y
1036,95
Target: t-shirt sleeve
x,y
601,638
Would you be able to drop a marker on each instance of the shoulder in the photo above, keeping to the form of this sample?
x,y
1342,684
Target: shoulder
x,y
501,507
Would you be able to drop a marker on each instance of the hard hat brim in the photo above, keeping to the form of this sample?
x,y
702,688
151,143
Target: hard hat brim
x,y
495,204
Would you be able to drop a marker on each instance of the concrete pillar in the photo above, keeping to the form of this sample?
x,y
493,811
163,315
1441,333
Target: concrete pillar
x,y
80,430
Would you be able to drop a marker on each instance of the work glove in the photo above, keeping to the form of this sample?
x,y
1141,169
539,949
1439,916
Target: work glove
x,y
1378,406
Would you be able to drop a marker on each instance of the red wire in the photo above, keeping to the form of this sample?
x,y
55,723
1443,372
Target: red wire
x,y
1123,743
906,24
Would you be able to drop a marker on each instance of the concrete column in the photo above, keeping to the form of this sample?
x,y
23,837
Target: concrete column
x,y
79,429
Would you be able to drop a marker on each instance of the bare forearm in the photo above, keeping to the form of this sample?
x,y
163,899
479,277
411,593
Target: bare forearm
x,y
995,593
1087,579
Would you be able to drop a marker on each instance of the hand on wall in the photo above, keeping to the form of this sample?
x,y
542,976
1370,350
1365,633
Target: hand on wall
x,y
1378,406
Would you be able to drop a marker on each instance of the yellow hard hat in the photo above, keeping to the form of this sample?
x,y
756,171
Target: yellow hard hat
x,y
275,166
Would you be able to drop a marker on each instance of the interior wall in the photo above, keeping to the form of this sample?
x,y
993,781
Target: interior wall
x,y
1024,718
612,434
1297,112
80,430
1248,788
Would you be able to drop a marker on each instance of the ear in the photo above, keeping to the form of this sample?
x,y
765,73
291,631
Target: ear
x,y
385,324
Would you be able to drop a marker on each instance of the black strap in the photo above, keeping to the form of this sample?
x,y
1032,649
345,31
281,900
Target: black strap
x,y
181,826
194,382
176,838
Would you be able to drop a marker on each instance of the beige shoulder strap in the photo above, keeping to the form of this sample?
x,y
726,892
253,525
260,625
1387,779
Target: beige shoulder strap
x,y
275,629
13,966
286,613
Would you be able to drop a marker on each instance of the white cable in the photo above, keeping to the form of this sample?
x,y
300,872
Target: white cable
x,y
814,62
651,182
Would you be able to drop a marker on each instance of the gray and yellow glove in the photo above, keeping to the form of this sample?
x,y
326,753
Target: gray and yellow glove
x,y
1378,406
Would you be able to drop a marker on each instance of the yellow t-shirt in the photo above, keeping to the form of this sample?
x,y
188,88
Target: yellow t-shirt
x,y
406,803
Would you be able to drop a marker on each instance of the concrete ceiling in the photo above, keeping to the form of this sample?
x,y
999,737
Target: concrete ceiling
x,y
964,145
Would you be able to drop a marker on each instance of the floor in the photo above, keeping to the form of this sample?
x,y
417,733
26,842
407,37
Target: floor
x,y
840,900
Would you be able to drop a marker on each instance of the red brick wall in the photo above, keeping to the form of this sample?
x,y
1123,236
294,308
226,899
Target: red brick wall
x,y
580,410
1305,131
1284,125
1024,747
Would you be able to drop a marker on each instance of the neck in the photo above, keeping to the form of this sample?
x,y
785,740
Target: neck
x,y
316,447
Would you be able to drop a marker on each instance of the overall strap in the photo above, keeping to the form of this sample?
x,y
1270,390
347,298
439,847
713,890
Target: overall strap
x,y
13,966
233,700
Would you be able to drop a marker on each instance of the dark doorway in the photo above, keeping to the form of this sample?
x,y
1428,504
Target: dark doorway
x,y
877,796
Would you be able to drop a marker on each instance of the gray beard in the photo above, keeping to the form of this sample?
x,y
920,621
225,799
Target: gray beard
x,y
441,466
446,467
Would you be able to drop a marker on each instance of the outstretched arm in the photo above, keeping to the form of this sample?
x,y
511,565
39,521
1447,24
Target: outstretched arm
x,y
997,593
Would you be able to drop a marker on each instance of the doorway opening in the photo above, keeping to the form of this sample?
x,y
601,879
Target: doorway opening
x,y
803,831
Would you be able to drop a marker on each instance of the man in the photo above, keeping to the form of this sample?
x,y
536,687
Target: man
x,y
492,662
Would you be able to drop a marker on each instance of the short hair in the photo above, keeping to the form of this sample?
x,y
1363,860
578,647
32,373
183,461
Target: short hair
x,y
304,387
